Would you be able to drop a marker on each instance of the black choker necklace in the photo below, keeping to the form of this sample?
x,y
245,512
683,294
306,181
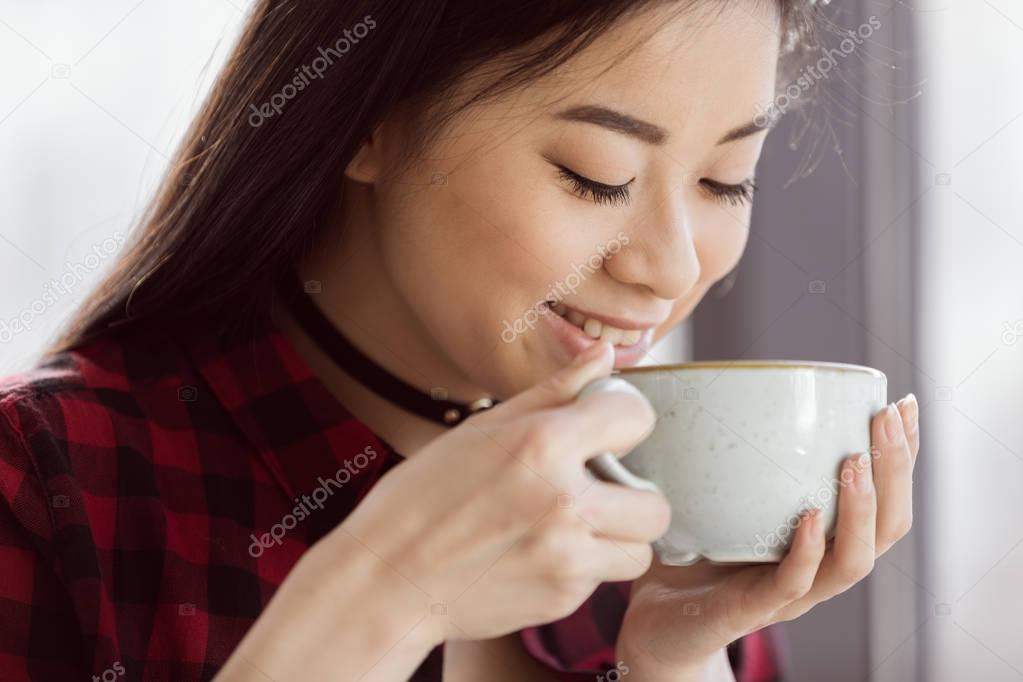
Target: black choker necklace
x,y
433,406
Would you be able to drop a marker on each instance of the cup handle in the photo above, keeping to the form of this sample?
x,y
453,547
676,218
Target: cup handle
x,y
606,466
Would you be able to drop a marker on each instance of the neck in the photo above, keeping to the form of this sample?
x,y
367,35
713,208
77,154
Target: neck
x,y
359,299
407,432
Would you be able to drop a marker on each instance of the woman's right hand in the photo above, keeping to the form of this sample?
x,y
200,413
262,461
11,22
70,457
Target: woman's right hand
x,y
494,526
499,524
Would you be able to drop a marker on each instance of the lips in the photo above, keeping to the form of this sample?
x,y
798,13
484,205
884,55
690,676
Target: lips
x,y
598,329
576,329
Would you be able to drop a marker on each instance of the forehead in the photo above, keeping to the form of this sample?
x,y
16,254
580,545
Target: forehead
x,y
704,68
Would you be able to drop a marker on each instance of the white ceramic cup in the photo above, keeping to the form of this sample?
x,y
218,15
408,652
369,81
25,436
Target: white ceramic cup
x,y
741,447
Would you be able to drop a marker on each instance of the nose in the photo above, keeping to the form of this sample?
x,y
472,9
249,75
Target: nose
x,y
662,254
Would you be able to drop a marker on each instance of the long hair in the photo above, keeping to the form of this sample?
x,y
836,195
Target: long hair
x,y
258,174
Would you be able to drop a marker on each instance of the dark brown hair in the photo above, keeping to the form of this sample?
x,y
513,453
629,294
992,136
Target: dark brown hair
x,y
253,183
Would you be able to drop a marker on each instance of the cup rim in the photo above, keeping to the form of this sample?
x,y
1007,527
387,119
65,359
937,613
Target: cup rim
x,y
755,364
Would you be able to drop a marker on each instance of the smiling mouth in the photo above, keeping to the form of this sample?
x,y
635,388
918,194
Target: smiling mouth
x,y
597,329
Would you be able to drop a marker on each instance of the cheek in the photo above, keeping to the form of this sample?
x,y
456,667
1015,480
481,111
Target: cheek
x,y
724,231
472,254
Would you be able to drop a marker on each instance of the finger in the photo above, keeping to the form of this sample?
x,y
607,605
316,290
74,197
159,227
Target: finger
x,y
852,556
622,514
909,408
604,421
564,385
615,560
893,478
795,575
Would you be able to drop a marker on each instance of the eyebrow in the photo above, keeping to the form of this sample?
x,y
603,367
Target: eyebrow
x,y
644,130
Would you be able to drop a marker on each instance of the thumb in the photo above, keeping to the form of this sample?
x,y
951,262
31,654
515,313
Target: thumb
x,y
562,387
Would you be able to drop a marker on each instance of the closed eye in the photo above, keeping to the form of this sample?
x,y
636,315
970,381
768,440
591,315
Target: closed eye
x,y
736,195
598,192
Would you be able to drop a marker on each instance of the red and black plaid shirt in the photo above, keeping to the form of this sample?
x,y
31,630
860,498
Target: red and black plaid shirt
x,y
135,475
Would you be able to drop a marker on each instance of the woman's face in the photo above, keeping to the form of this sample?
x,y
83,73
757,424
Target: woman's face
x,y
552,192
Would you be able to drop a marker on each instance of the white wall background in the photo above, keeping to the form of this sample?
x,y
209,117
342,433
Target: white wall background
x,y
95,96
971,155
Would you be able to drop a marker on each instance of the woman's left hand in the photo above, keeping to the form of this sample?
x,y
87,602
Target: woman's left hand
x,y
680,618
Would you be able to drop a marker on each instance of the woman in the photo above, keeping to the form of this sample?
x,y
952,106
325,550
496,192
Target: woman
x,y
282,388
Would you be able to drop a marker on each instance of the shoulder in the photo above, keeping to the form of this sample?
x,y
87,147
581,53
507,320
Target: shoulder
x,y
67,389
75,409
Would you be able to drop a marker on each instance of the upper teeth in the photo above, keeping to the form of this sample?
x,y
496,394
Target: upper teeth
x,y
599,330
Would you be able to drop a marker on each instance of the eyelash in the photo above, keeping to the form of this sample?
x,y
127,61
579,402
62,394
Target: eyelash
x,y
600,193
735,195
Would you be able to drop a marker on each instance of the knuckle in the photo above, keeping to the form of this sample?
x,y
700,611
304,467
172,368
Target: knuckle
x,y
539,440
652,518
633,410
900,459
856,570
640,559
555,387
792,590
901,530
641,411
553,550
662,515
565,517
895,532
564,571
565,601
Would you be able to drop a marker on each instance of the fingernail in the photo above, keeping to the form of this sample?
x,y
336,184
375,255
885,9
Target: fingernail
x,y
806,518
891,423
911,409
863,468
